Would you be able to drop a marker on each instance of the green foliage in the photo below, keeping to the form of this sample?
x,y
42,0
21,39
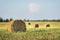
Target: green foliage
x,y
44,20
1,19
5,20
41,34
11,19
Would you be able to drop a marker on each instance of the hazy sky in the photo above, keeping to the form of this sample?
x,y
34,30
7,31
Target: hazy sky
x,y
30,9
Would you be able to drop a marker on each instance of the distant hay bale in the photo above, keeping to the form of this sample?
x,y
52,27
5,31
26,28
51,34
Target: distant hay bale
x,y
36,25
18,25
48,25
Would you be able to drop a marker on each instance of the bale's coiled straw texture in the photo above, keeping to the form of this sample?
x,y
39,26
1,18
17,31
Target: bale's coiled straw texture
x,y
18,25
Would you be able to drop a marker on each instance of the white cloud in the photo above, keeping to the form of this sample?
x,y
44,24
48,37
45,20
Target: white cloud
x,y
33,7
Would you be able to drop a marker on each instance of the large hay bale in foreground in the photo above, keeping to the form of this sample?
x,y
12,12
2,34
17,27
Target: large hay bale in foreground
x,y
18,25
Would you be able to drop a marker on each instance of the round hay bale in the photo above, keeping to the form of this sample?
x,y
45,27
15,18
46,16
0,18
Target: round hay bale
x,y
18,25
48,25
36,25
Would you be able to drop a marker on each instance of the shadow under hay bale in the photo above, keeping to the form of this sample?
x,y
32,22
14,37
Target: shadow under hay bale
x,y
18,25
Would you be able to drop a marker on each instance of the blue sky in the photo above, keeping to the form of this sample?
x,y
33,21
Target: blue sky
x,y
30,9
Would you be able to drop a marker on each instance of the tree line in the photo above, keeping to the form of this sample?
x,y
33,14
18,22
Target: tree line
x,y
5,20
44,20
27,20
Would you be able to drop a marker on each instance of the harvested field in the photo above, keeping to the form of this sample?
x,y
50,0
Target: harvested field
x,y
41,34
19,25
43,25
13,26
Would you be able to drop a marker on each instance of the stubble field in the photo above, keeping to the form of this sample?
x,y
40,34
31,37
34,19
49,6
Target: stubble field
x,y
33,33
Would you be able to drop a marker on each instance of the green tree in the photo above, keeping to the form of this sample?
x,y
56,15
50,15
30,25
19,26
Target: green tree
x,y
24,19
7,20
11,19
1,19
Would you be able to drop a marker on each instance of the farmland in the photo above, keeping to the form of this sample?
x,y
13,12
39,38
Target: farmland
x,y
32,33
7,25
42,34
43,24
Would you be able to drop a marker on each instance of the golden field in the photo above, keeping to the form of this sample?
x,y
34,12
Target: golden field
x,y
43,24
8,25
48,33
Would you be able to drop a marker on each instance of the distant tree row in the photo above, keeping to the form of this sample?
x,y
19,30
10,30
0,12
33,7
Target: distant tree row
x,y
5,20
44,20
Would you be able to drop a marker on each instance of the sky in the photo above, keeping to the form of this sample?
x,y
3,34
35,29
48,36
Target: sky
x,y
30,9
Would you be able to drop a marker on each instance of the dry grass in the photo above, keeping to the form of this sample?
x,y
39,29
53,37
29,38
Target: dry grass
x,y
32,33
43,24
41,34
